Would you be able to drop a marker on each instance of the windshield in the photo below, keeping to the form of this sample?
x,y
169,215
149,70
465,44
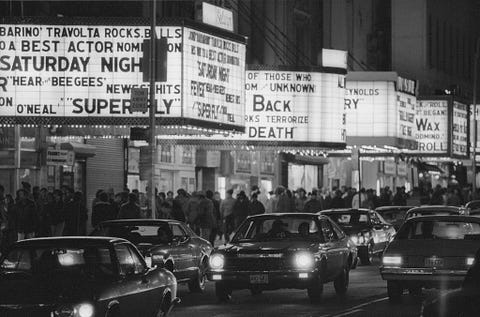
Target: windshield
x,y
137,234
268,229
91,260
349,219
435,229
393,215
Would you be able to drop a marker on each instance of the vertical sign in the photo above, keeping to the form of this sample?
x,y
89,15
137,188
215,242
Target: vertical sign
x,y
431,126
460,129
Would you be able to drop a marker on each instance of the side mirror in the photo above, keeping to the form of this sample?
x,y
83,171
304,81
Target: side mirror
x,y
184,239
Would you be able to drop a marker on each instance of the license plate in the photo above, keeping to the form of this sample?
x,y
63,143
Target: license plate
x,y
433,262
259,279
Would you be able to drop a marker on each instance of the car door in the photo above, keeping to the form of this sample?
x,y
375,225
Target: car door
x,y
181,252
130,295
342,243
333,252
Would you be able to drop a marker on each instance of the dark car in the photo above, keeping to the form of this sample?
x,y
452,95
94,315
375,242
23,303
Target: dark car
x,y
366,228
432,210
274,251
459,302
82,276
430,252
394,214
170,243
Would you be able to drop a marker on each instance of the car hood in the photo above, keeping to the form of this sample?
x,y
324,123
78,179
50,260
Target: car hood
x,y
452,248
268,246
22,288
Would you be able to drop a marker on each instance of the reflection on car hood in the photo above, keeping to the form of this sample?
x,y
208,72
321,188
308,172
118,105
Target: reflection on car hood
x,y
418,247
23,288
269,246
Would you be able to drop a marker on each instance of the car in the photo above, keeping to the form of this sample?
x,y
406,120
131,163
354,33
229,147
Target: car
x,y
283,250
170,244
427,210
82,277
430,252
366,228
459,302
393,214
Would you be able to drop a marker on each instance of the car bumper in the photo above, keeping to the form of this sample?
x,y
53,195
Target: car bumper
x,y
423,275
273,280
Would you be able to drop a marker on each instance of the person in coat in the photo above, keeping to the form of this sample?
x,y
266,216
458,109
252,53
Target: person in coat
x,y
256,207
130,209
103,210
240,209
25,216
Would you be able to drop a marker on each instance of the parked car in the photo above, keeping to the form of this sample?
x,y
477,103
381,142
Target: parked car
x,y
170,243
459,302
366,228
274,251
430,252
394,215
431,210
82,276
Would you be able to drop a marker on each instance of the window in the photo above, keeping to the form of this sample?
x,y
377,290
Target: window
x,y
125,259
327,230
187,155
137,260
166,154
444,230
338,231
177,231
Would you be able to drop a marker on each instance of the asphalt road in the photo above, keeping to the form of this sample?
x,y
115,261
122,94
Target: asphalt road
x,y
367,296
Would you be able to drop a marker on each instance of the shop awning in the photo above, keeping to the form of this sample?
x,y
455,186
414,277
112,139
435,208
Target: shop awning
x,y
425,167
80,149
305,160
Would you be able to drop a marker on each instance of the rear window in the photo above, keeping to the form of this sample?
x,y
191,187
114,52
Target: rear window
x,y
428,212
394,215
349,219
443,230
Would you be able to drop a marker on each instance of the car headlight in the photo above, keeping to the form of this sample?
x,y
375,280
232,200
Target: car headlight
x,y
80,310
392,260
470,261
217,261
84,310
354,239
304,260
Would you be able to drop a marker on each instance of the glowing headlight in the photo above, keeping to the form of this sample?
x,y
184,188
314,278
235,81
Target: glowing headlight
x,y
304,260
470,261
392,260
217,261
354,239
84,310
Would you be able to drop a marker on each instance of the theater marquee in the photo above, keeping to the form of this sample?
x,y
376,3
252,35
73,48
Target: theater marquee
x,y
83,74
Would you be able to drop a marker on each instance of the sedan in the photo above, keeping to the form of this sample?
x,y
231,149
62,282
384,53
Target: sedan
x,y
366,228
393,214
82,277
430,252
274,251
170,244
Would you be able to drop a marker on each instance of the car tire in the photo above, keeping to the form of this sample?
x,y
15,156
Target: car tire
x,y
113,311
341,282
394,291
315,292
366,255
197,283
223,293
165,306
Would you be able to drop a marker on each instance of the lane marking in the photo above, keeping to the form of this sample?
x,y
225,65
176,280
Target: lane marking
x,y
355,309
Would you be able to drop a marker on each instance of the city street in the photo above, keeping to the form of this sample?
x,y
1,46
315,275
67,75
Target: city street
x,y
367,296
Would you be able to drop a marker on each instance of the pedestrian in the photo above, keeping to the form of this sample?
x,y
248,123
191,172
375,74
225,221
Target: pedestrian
x,y
130,209
226,212
300,200
26,216
240,209
255,207
82,213
177,210
452,198
56,214
3,220
70,210
337,201
205,219
216,214
314,204
43,225
191,211
103,210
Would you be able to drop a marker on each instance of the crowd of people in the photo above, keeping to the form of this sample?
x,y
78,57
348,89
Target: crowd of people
x,y
37,212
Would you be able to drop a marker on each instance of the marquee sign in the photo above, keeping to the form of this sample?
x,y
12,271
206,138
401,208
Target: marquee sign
x,y
85,74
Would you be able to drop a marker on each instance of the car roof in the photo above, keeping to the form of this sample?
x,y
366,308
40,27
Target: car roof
x,y
388,208
435,207
345,210
70,240
138,221
445,218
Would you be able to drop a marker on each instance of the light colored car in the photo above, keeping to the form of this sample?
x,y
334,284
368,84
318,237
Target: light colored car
x,y
430,252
